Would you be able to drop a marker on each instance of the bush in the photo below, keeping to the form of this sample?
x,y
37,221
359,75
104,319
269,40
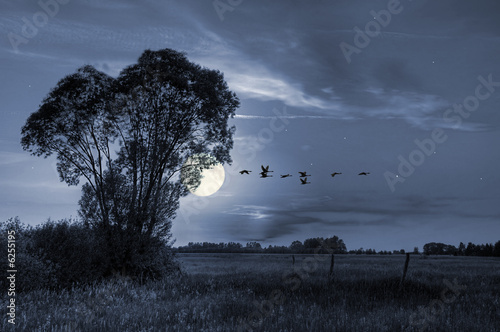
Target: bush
x,y
60,254
71,247
33,272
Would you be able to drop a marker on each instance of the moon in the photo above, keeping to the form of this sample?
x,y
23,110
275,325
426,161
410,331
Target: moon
x,y
211,178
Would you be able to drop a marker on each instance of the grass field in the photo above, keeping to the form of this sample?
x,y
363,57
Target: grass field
x,y
231,292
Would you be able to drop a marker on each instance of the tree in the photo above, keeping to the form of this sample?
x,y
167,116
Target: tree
x,y
461,249
336,244
496,249
72,122
296,246
129,137
254,245
471,250
313,243
437,248
329,245
370,251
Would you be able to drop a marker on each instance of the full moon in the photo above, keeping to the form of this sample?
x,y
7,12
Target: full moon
x,y
211,178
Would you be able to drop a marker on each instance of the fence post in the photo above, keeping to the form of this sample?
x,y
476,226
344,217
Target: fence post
x,y
405,269
331,265
293,259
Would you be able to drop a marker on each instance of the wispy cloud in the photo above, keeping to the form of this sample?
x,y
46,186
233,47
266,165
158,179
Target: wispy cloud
x,y
424,111
315,216
254,212
264,86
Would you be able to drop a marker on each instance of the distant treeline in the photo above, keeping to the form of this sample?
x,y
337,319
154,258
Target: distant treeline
x,y
312,245
337,246
488,249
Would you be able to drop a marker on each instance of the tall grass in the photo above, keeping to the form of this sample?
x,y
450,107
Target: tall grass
x,y
220,292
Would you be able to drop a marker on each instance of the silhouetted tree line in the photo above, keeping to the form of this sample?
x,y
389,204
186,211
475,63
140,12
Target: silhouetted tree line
x,y
362,251
437,248
319,245
313,245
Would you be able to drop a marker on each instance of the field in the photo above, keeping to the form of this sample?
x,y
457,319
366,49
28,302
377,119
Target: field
x,y
231,292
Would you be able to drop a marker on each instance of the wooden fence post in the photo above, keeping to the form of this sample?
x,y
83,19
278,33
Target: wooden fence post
x,y
293,259
331,265
405,269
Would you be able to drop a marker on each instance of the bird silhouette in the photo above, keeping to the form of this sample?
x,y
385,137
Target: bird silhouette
x,y
304,181
335,173
303,174
264,175
245,172
364,173
265,169
285,176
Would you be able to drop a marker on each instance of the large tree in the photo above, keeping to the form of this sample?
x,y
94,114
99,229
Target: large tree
x,y
129,137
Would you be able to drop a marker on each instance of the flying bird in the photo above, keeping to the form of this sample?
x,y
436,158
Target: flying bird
x,y
303,174
304,181
264,175
245,172
265,169
335,173
364,173
285,176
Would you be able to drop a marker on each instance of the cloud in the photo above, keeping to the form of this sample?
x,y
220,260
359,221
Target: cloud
x,y
253,212
251,78
265,86
315,215
424,111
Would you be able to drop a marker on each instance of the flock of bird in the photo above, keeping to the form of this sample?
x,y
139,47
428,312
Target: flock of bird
x,y
303,175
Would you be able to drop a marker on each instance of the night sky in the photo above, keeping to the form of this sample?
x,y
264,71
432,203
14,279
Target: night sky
x,y
414,101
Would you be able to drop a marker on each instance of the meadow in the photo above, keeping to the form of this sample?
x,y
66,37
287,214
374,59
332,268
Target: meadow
x,y
254,292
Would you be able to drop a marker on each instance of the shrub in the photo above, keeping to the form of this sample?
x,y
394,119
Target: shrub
x,y
71,246
60,254
33,272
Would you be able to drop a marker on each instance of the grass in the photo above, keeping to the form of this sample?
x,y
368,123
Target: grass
x,y
231,292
